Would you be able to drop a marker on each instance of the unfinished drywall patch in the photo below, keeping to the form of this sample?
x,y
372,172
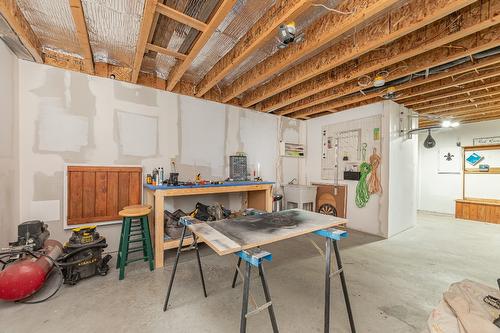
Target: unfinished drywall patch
x,y
134,94
65,118
61,132
202,135
48,187
137,134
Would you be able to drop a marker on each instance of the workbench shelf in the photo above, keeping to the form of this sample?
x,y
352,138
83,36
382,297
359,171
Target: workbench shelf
x,y
480,197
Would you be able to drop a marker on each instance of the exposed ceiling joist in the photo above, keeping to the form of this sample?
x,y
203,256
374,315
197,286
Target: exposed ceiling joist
x,y
319,34
181,66
412,16
15,18
477,86
404,69
181,17
472,115
451,101
334,105
165,51
146,24
264,29
410,54
444,84
464,105
82,34
473,109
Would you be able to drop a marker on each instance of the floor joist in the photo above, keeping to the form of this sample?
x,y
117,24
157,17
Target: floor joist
x,y
319,34
82,34
475,86
400,70
399,59
433,85
410,17
146,24
451,101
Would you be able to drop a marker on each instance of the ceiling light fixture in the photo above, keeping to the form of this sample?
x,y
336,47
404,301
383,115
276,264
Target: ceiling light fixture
x,y
378,81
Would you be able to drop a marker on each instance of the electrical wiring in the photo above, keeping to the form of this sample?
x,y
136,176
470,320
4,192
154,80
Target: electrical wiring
x,y
332,9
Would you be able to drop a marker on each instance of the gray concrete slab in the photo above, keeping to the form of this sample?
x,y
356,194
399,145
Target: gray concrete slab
x,y
393,284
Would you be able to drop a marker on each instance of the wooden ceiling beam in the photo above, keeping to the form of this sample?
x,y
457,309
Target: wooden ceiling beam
x,y
477,86
146,24
181,17
442,85
469,98
181,66
411,54
407,68
424,89
412,16
82,34
162,50
482,109
460,107
264,29
18,23
480,114
324,30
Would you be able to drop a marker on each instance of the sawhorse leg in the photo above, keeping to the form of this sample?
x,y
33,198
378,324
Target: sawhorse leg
x,y
254,258
179,250
332,236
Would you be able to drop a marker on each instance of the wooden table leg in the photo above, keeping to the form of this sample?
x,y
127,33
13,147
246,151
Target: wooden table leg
x,y
261,200
159,229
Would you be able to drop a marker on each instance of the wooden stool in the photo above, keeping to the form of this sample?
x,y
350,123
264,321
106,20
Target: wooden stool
x,y
129,231
138,206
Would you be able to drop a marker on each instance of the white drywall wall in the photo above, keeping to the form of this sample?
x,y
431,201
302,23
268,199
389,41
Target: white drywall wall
x,y
68,117
438,191
373,217
395,209
403,164
9,165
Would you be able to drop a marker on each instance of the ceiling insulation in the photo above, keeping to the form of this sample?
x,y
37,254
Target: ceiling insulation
x,y
176,36
242,17
55,32
113,28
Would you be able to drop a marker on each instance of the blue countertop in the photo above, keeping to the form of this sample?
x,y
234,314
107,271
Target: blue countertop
x,y
225,184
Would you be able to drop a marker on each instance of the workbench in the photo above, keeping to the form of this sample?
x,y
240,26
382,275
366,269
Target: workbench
x,y
259,196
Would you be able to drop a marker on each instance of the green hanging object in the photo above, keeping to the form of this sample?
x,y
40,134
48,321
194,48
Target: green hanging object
x,y
362,193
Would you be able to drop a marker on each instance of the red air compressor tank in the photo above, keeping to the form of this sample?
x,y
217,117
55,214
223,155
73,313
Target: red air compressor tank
x,y
26,276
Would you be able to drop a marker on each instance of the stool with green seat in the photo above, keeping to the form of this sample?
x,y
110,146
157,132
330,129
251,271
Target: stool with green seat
x,y
129,234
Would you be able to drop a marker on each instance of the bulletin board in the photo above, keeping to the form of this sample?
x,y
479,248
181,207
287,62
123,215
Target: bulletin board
x,y
342,145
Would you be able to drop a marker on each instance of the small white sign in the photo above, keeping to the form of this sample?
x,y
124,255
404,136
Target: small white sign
x,y
492,140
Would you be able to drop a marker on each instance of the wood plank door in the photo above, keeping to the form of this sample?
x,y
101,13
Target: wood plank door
x,y
97,193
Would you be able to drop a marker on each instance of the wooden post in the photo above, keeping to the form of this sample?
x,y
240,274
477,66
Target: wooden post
x,y
158,227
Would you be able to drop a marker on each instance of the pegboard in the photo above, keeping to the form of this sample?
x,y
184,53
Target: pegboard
x,y
342,145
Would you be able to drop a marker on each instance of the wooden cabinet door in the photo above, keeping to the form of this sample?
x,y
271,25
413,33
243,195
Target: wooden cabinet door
x,y
97,194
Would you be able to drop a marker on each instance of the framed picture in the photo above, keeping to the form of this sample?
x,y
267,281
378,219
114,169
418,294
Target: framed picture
x,y
449,160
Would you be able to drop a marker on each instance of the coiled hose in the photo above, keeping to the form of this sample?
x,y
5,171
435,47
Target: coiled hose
x,y
362,193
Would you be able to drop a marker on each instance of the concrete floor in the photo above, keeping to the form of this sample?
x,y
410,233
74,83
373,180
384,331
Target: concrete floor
x,y
393,284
